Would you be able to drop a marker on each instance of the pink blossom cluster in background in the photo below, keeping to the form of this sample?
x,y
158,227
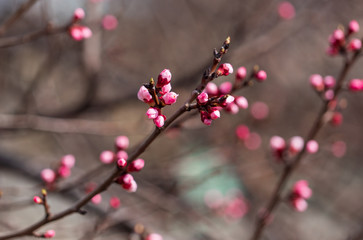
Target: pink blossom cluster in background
x,y
299,194
340,40
77,31
67,162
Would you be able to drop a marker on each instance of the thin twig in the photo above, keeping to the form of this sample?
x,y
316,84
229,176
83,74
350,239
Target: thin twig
x,y
16,15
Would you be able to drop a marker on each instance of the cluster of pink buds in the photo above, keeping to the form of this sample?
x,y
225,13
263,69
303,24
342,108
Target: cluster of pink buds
x,y
77,31
299,194
158,96
67,162
121,144
295,145
340,41
323,85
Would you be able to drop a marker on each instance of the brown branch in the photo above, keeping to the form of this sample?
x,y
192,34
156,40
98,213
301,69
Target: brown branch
x,y
142,147
16,15
276,196
17,40
59,125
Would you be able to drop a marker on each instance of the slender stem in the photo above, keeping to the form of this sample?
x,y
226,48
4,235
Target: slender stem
x,y
289,168
16,15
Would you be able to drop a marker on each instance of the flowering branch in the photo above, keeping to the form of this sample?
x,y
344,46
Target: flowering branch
x,y
290,166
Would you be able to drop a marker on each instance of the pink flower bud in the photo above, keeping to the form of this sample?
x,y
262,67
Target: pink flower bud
x,y
317,82
152,113
64,171
86,32
37,200
339,148
299,204
225,69
356,85
243,132
154,236
165,89
355,44
215,114
241,102
225,88
78,14
122,154
229,100
337,119
144,95
338,35
329,81
277,143
329,94
312,146
253,142
115,202
97,199
122,142
241,73
48,175
68,161
202,98
76,33
107,157
211,89
164,78
286,10
127,182
232,108
301,189
159,121
332,50
353,26
121,163
261,76
136,165
109,22
170,98
49,234
296,144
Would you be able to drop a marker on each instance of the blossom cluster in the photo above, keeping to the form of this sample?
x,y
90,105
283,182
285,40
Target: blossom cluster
x,y
67,162
299,194
340,41
77,31
158,96
214,98
295,145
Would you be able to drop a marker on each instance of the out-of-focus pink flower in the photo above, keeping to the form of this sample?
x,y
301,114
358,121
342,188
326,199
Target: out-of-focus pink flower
x,y
225,69
339,148
232,108
241,102
337,119
49,234
259,110
68,160
355,44
329,81
353,26
109,22
136,165
241,73
243,132
78,14
312,146
253,142
286,10
261,76
115,202
128,183
154,236
225,88
122,154
121,163
299,204
97,199
317,82
64,171
107,157
48,175
211,89
37,200
296,144
122,142
356,85
301,189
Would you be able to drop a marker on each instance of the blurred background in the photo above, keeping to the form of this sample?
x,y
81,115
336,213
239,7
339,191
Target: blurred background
x,y
59,96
